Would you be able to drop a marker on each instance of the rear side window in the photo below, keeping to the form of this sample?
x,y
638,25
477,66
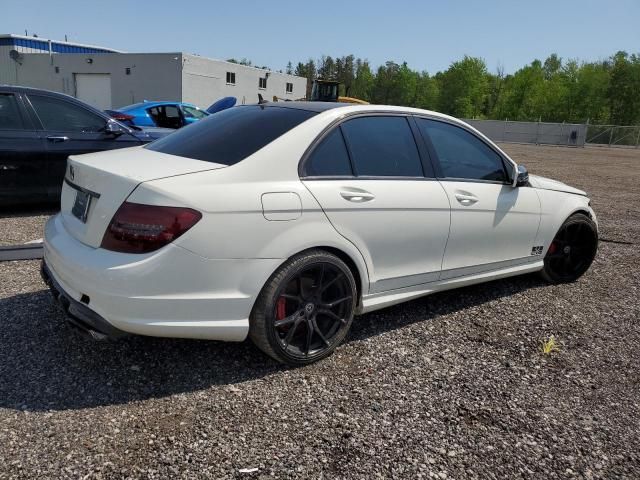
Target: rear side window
x,y
462,154
59,115
10,118
382,147
229,136
329,158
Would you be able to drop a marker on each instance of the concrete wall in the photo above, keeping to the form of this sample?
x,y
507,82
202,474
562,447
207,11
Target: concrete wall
x,y
7,66
573,134
204,81
153,76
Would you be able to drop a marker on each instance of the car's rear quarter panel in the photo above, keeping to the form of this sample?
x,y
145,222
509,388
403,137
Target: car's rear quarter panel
x,y
233,225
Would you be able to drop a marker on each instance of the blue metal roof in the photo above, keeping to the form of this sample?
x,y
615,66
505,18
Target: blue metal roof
x,y
55,46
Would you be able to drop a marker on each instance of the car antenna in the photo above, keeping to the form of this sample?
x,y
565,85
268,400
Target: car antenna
x,y
261,101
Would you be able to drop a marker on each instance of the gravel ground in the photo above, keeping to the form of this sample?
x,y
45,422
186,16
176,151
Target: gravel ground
x,y
24,225
449,386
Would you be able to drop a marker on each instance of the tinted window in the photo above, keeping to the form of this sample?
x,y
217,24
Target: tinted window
x,y
231,135
462,154
56,114
191,112
329,158
382,146
10,118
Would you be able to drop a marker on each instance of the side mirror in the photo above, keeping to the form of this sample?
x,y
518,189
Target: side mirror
x,y
114,128
522,178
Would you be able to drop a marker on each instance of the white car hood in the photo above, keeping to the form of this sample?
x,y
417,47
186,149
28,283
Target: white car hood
x,y
550,184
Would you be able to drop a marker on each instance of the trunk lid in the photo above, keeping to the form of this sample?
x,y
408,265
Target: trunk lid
x,y
96,184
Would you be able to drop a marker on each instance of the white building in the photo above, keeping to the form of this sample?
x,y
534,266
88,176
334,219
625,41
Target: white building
x,y
106,78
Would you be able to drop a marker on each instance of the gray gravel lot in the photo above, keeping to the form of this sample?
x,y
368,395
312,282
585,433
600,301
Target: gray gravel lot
x,y
449,386
25,225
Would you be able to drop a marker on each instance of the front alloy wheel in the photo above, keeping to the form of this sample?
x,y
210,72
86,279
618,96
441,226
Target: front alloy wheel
x,y
572,250
305,310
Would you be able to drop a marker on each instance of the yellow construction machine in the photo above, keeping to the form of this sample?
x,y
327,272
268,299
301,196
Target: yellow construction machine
x,y
325,91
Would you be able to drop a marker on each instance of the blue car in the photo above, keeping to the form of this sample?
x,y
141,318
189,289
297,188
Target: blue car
x,y
158,114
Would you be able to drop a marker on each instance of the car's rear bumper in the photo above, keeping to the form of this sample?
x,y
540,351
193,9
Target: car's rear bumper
x,y
79,315
169,293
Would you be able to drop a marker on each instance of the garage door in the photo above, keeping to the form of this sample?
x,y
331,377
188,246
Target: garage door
x,y
94,88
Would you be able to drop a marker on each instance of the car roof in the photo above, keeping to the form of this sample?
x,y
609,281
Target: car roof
x,y
147,104
49,93
348,108
308,106
27,90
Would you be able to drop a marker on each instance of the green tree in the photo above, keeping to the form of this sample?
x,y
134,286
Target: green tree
x,y
244,61
464,88
624,89
307,70
363,81
326,68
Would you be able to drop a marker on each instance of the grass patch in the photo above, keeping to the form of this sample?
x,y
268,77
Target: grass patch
x,y
549,346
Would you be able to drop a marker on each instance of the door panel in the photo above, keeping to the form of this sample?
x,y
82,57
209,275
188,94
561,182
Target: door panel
x,y
70,129
490,223
400,226
493,225
23,167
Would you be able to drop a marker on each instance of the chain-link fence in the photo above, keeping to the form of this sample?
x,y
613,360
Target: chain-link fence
x,y
570,134
613,135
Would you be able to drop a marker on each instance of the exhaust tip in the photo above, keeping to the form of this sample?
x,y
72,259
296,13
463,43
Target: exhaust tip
x,y
101,337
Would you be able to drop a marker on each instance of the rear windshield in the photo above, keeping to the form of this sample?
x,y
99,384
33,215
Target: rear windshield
x,y
231,135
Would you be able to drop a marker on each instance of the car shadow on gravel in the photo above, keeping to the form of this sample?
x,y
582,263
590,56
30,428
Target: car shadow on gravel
x,y
44,208
45,365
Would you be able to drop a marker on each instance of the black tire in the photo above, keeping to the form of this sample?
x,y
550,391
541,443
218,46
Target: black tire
x,y
572,250
305,309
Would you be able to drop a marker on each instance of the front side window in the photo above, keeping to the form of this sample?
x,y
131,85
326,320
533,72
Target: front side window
x,y
10,118
382,147
192,112
329,158
229,136
59,115
262,82
462,154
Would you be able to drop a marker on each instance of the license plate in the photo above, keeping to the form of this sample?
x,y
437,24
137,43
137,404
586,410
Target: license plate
x,y
81,205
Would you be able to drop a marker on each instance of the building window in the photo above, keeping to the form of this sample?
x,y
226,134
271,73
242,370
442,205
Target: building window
x,y
262,83
289,87
231,78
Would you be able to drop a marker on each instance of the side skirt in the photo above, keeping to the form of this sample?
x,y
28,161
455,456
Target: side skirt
x,y
380,300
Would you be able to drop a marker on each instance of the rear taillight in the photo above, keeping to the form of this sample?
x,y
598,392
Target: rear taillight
x,y
137,228
122,117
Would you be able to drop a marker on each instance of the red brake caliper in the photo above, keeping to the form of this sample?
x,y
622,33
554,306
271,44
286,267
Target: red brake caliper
x,y
280,308
552,248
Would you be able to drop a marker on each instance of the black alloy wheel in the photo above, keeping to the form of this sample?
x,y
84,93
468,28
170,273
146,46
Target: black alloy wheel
x,y
572,250
305,310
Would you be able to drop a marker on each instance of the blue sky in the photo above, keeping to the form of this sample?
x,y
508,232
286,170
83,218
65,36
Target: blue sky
x,y
428,35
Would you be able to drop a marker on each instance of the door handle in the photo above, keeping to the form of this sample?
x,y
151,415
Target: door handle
x,y
357,196
466,200
55,139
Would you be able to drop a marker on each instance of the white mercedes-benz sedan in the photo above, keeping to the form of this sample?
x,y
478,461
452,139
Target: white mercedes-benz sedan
x,y
282,221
